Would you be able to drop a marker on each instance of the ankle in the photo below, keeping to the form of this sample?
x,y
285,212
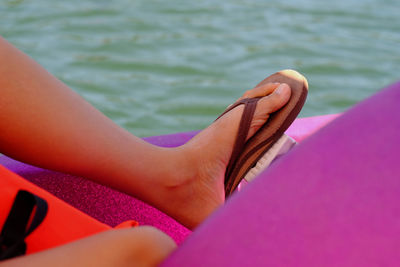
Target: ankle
x,y
181,166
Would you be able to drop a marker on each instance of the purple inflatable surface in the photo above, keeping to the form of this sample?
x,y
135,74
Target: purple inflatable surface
x,y
334,200
112,207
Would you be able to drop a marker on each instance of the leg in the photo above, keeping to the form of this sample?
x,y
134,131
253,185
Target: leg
x,y
142,246
332,201
44,123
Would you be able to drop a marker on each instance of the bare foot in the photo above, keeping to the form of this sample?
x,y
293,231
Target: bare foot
x,y
193,197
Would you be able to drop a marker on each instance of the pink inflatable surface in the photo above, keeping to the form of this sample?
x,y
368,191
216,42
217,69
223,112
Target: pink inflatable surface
x,y
113,207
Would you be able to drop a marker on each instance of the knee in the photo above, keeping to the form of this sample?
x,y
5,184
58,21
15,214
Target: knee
x,y
145,245
154,240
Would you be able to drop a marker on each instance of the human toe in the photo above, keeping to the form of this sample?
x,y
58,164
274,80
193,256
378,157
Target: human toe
x,y
260,91
276,100
267,105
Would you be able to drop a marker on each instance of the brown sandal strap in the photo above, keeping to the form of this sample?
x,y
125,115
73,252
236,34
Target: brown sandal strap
x,y
244,126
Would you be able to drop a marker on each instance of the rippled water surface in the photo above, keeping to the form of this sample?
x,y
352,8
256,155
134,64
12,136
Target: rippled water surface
x,y
159,67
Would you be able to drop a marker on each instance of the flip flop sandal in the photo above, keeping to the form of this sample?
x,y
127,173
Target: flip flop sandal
x,y
245,155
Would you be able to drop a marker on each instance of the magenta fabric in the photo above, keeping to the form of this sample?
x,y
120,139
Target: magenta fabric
x,y
334,200
112,207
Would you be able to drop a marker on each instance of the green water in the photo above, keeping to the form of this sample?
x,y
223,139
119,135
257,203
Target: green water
x,y
158,67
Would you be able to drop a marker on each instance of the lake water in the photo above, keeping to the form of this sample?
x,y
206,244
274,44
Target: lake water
x,y
158,67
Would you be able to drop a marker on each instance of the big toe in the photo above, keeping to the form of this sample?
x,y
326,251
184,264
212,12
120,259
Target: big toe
x,y
276,100
269,104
